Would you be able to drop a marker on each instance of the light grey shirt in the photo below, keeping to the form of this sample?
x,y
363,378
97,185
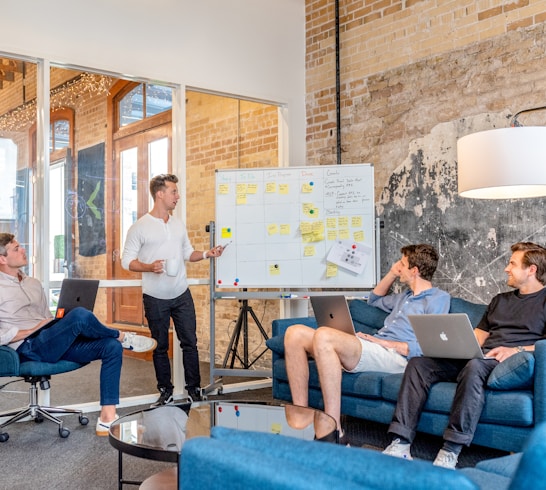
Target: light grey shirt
x,y
23,305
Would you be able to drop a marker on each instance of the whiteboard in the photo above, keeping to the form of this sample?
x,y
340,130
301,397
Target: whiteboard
x,y
296,227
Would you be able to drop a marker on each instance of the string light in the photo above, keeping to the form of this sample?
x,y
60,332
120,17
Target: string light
x,y
71,94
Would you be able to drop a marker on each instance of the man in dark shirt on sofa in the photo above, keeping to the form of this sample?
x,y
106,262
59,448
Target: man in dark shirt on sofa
x,y
514,322
388,350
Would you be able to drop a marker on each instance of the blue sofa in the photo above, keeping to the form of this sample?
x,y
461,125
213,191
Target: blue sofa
x,y
515,398
232,460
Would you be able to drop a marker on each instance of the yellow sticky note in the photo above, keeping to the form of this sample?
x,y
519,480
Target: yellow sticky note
x,y
310,210
270,187
305,227
272,229
241,198
332,235
318,227
223,189
252,188
306,188
284,188
226,232
344,234
307,237
356,221
276,428
285,229
331,270
343,222
241,188
309,251
274,270
358,236
331,223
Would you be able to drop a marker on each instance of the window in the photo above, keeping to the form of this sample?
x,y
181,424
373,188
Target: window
x,y
144,101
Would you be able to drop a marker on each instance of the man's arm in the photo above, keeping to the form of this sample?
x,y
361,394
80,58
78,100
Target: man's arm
x,y
401,348
23,334
382,288
500,353
137,266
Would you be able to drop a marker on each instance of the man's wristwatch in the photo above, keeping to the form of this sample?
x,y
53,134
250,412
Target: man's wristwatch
x,y
520,348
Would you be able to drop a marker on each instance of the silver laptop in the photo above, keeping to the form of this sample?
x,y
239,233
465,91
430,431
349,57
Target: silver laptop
x,y
76,292
333,311
450,336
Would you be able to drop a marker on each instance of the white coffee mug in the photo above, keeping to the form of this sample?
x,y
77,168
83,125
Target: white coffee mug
x,y
171,266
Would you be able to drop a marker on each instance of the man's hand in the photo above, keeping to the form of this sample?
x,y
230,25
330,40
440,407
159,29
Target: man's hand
x,y
502,353
396,268
401,348
157,266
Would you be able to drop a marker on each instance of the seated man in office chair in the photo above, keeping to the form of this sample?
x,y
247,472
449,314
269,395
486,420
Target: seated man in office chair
x,y
78,337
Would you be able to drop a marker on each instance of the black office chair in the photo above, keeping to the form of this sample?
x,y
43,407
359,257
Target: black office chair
x,y
35,372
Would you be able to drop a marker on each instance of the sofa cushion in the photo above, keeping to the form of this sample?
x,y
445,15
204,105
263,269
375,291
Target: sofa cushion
x,y
504,466
516,372
366,318
474,311
276,344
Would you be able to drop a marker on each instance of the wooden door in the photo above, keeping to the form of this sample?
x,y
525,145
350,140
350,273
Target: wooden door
x,y
137,158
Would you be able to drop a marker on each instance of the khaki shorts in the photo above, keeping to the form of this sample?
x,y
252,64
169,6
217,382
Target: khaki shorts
x,y
375,357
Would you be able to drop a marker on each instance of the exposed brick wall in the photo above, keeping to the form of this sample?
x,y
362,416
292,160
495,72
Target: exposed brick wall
x,y
448,69
380,41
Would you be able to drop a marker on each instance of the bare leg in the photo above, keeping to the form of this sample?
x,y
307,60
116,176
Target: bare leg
x,y
334,350
298,345
108,413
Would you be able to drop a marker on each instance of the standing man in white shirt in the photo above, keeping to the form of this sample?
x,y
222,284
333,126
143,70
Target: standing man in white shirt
x,y
158,246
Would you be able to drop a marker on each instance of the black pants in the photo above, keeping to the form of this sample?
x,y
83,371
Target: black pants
x,y
421,372
159,313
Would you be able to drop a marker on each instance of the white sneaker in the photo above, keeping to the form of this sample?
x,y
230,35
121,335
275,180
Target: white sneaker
x,y
103,427
398,450
446,459
138,343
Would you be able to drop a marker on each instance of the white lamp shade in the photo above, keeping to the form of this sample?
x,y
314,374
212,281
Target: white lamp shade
x,y
505,163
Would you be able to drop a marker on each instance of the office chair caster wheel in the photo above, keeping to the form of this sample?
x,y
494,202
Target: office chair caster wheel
x,y
64,433
83,420
4,437
38,419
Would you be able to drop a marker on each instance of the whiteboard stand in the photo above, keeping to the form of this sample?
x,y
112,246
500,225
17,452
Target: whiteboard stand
x,y
216,381
242,326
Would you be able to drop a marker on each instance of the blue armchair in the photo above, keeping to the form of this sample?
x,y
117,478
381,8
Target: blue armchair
x,y
35,372
233,460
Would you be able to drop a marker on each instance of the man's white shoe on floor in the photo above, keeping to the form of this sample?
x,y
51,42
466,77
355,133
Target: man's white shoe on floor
x,y
102,428
446,459
138,343
398,450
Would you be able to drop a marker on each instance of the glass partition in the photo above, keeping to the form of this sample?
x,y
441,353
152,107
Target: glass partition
x,y
17,149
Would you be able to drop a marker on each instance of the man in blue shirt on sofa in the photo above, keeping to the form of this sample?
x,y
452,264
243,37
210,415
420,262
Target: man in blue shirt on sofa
x,y
514,322
387,351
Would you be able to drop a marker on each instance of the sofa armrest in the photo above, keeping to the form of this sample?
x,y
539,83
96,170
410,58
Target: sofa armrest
x,y
9,361
279,326
540,382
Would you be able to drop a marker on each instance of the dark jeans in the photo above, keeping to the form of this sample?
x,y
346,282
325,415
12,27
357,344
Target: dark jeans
x,y
80,337
159,313
421,372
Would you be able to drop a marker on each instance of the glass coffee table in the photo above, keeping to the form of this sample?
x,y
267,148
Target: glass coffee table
x,y
159,433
